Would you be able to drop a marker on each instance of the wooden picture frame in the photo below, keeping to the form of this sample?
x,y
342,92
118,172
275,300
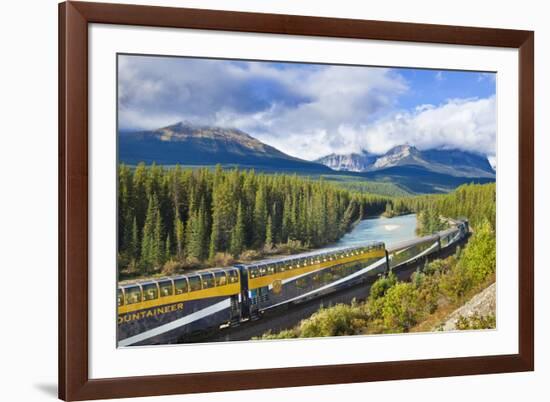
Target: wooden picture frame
x,y
74,381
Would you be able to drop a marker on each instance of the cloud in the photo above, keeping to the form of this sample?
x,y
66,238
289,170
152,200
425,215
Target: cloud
x,y
305,110
467,124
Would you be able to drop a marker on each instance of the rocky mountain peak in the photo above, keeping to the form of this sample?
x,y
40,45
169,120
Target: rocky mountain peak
x,y
353,162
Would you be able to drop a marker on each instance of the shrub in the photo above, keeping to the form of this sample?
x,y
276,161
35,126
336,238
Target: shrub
x,y
479,256
171,267
250,255
285,334
223,260
334,321
291,246
381,286
476,321
401,307
439,266
456,283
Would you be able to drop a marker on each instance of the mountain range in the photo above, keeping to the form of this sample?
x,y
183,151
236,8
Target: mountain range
x,y
189,144
435,170
452,162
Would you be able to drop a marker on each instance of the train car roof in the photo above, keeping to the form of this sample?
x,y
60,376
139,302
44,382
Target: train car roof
x,y
309,254
144,281
408,243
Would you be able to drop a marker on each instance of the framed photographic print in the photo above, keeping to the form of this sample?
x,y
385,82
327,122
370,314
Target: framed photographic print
x,y
259,200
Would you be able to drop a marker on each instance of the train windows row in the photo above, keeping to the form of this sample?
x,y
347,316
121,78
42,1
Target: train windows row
x,y
176,286
256,271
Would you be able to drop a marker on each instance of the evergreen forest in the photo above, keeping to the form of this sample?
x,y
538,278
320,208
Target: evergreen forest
x,y
172,219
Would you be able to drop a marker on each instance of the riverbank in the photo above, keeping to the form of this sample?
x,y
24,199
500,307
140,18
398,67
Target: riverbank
x,y
372,228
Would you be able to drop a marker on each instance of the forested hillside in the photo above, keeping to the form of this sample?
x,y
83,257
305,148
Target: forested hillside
x,y
176,218
476,202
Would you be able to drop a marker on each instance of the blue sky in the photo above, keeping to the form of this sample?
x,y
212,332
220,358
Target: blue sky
x,y
310,110
435,87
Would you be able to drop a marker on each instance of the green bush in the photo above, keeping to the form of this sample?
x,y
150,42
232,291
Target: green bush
x,y
456,284
334,321
285,334
381,286
476,321
400,310
479,256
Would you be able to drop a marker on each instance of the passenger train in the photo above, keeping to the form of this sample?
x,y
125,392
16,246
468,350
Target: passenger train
x,y
152,311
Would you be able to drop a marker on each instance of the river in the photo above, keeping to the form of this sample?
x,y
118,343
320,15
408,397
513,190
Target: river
x,y
388,230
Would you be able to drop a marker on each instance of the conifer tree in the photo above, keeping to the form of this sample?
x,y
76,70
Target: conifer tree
x,y
180,237
269,234
167,249
134,244
148,236
260,216
286,229
237,234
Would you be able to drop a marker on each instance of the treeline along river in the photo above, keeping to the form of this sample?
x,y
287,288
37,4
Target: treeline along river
x,y
181,217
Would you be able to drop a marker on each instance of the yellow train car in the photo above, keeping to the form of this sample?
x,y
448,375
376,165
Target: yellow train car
x,y
294,279
151,311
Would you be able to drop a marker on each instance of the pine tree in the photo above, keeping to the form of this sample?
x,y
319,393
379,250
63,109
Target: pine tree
x,y
237,234
260,216
196,235
140,196
223,213
134,243
157,248
268,234
148,236
180,237
286,229
167,249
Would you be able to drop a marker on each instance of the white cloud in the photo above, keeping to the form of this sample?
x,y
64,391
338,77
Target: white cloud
x,y
467,124
304,110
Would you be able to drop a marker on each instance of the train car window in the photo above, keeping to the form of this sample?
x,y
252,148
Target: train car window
x,y
194,283
271,269
119,297
263,270
233,276
166,288
221,278
207,281
132,295
181,286
150,291
252,272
